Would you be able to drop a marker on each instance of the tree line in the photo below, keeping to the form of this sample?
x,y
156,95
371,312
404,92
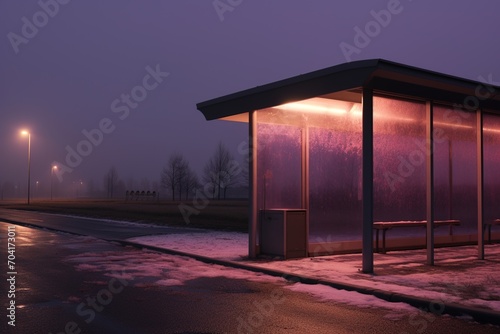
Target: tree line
x,y
220,173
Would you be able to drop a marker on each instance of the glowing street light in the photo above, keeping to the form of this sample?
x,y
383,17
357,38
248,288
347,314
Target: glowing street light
x,y
79,189
26,133
52,179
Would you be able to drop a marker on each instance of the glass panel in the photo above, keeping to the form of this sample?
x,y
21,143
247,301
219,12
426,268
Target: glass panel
x,y
491,151
455,168
328,133
278,161
335,177
399,161
332,129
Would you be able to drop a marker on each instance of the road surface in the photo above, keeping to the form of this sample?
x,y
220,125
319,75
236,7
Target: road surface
x,y
74,284
99,228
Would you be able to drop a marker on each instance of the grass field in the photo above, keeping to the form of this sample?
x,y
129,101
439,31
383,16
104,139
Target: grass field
x,y
227,215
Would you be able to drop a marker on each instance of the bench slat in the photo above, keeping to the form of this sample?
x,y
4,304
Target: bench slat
x,y
385,226
413,223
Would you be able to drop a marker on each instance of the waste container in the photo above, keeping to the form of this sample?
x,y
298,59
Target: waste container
x,y
283,232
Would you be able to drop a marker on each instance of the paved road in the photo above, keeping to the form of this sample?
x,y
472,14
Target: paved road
x,y
71,284
99,228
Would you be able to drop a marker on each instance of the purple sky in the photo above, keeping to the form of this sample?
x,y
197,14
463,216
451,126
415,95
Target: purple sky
x,y
65,77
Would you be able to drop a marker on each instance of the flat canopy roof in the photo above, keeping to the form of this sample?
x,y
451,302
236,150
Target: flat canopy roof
x,y
378,74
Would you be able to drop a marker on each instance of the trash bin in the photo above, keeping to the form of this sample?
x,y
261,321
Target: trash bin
x,y
283,232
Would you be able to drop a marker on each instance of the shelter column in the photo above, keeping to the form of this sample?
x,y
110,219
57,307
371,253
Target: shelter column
x,y
252,173
367,131
430,181
480,184
305,179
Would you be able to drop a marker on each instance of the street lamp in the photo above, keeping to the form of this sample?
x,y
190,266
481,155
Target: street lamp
x,y
26,133
79,189
52,179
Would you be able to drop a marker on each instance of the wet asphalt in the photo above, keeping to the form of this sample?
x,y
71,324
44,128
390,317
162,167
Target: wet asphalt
x,y
55,293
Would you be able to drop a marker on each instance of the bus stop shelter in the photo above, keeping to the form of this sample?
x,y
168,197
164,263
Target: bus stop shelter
x,y
368,146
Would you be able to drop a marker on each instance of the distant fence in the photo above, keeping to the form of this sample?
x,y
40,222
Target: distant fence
x,y
142,195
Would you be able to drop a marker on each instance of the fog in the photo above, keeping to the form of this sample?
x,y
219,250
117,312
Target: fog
x,y
115,83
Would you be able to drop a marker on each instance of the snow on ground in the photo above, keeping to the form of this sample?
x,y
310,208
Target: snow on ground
x,y
221,245
457,276
143,268
327,293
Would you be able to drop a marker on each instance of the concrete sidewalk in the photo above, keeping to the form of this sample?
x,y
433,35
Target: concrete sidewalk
x,y
387,265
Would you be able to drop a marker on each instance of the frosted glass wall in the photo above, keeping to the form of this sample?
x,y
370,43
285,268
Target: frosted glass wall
x,y
491,137
278,161
455,168
335,177
399,160
318,143
326,133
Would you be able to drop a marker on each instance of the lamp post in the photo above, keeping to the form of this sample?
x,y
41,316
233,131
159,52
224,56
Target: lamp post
x,y
26,133
52,180
79,188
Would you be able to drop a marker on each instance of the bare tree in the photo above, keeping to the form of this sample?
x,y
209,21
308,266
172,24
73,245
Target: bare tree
x,y
244,173
111,182
192,182
182,177
221,171
210,178
173,176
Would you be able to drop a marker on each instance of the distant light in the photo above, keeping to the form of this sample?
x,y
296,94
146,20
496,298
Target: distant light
x,y
25,132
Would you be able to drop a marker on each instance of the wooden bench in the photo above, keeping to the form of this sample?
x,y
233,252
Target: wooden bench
x,y
384,226
489,225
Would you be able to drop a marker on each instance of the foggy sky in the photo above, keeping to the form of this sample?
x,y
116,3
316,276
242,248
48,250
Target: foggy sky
x,y
74,73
